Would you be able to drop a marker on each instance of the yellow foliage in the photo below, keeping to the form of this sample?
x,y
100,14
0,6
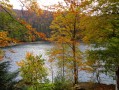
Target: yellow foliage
x,y
20,63
28,54
5,40
1,54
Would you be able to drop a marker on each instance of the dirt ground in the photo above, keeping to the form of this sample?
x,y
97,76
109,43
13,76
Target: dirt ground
x,y
95,86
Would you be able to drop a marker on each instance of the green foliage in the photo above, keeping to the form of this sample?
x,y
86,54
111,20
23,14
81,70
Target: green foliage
x,y
60,83
13,28
33,71
102,31
7,78
107,59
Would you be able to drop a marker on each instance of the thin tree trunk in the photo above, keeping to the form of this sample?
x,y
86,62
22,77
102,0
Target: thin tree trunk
x,y
52,74
117,75
116,82
63,61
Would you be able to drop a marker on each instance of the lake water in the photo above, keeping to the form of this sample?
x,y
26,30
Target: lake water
x,y
17,53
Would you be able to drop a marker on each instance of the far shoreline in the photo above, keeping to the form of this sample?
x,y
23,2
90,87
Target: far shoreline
x,y
25,43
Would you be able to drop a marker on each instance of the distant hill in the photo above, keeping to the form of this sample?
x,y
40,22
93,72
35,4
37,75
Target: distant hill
x,y
41,23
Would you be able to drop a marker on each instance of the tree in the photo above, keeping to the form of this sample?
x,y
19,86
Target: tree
x,y
101,28
33,70
7,78
66,32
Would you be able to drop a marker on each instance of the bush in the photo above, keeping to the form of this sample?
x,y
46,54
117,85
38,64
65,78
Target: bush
x,y
60,83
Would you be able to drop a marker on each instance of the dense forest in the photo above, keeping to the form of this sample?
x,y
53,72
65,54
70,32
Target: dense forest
x,y
66,25
41,23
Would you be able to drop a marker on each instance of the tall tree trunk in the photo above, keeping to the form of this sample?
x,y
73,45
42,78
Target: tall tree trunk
x,y
74,53
75,66
117,74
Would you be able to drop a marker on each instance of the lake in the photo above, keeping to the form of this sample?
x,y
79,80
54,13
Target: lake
x,y
17,53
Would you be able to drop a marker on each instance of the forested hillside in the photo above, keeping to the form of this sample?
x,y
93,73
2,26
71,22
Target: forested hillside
x,y
15,24
41,23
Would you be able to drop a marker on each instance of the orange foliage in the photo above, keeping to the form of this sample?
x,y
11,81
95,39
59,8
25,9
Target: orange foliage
x,y
32,31
22,62
41,35
28,54
5,40
1,58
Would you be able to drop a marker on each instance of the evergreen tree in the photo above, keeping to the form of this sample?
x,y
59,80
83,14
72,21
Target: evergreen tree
x,y
7,78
